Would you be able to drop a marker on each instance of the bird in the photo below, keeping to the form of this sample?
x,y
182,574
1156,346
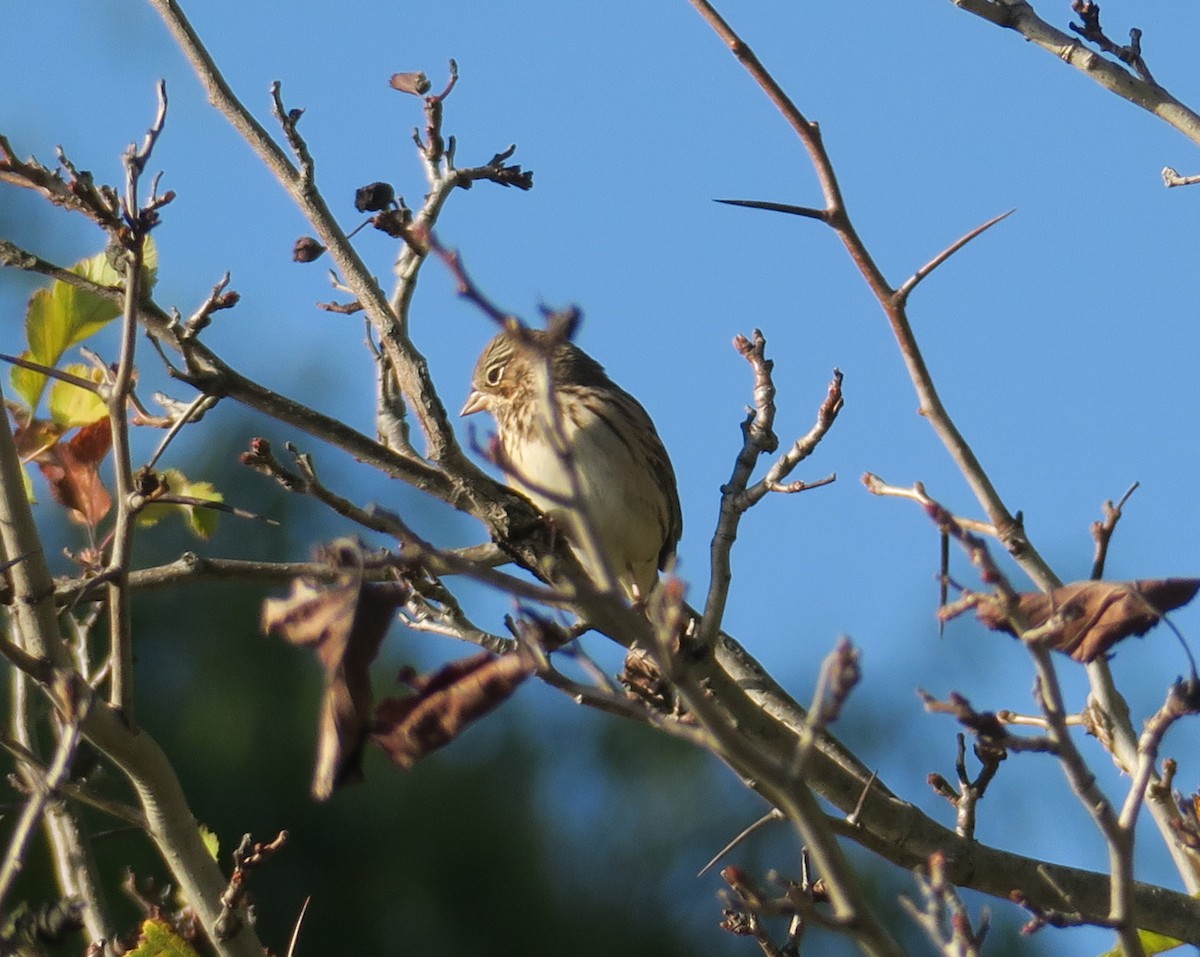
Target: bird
x,y
557,412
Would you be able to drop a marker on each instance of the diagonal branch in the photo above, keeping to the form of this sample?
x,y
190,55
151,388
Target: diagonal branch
x,y
1020,16
408,364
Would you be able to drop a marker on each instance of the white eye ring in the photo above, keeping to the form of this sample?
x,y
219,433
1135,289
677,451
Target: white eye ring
x,y
494,374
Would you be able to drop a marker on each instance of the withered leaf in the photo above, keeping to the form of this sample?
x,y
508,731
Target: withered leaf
x,y
1095,615
344,622
416,83
73,470
444,703
32,436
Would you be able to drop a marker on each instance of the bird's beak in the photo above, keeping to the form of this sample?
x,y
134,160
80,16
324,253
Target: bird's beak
x,y
476,402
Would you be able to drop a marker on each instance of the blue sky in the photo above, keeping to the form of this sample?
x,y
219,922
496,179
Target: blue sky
x,y
1064,341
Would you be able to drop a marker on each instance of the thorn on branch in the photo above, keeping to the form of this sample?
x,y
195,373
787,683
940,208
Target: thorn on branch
x,y
772,815
806,211
902,294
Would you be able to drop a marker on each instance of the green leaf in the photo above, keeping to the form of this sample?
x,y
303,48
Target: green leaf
x,y
211,841
71,406
27,482
64,315
1152,943
25,382
202,521
159,940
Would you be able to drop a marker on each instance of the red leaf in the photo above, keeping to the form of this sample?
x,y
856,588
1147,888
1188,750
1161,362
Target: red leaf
x,y
73,470
1096,615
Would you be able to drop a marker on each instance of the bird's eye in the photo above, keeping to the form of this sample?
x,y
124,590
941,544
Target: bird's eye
x,y
494,374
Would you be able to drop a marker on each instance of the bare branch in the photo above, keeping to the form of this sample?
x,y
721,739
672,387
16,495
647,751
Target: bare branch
x,y
1102,532
1019,15
1172,177
758,438
43,787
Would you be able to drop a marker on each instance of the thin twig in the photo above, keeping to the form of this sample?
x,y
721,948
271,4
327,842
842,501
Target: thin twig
x,y
120,615
737,495
1102,532
1183,699
790,794
1172,177
196,408
43,790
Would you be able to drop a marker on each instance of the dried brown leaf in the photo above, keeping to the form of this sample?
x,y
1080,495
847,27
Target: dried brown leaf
x,y
73,470
344,622
32,436
1095,615
416,83
445,703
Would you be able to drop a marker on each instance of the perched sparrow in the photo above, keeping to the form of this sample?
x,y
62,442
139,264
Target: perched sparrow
x,y
626,486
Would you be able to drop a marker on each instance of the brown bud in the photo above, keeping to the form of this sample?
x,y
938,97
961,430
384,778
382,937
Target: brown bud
x,y
374,197
394,222
306,250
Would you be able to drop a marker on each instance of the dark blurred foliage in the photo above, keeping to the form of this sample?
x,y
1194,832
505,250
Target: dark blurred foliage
x,y
546,830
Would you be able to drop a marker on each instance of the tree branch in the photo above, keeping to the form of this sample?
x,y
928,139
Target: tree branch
x,y
1020,16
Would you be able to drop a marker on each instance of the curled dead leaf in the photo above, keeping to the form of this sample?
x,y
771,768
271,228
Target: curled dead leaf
x,y
344,622
1087,618
445,702
415,82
